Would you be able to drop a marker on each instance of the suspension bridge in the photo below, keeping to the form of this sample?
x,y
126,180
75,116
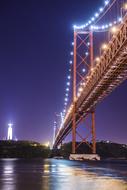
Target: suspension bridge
x,y
99,65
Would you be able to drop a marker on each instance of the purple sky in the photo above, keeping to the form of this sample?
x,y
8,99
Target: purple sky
x,y
35,39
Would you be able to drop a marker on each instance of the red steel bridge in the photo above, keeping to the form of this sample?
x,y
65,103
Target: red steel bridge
x,y
104,66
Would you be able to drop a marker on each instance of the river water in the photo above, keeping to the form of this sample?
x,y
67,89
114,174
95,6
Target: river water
x,y
51,174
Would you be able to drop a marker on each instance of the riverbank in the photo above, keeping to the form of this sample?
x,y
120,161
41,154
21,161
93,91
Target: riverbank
x,y
108,151
105,149
23,149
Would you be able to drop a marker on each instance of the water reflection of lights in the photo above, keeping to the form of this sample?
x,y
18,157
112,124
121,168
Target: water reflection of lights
x,y
8,177
46,171
46,168
78,178
60,175
8,169
67,176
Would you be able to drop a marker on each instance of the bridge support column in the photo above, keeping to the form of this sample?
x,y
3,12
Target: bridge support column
x,y
74,132
81,41
93,134
74,96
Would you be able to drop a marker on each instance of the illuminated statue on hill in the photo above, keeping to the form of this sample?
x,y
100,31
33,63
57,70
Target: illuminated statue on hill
x,y
9,137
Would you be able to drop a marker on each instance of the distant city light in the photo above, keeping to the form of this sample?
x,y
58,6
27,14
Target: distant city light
x,y
47,144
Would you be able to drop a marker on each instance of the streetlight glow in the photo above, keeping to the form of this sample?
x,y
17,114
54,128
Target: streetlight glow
x,y
47,144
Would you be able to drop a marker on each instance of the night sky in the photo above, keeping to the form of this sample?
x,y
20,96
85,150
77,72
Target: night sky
x,y
35,43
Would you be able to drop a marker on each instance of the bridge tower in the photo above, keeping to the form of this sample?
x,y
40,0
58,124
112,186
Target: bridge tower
x,y
57,121
82,66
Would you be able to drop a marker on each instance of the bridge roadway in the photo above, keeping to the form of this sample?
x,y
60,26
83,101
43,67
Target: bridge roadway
x,y
106,75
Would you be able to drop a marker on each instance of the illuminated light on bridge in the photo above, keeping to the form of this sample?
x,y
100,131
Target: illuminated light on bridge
x,y
65,103
104,46
87,53
83,70
125,6
93,18
80,89
71,62
96,15
114,30
66,99
68,83
102,74
97,59
78,94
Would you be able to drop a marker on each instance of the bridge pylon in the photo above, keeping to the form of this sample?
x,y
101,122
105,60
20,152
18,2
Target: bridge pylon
x,y
82,66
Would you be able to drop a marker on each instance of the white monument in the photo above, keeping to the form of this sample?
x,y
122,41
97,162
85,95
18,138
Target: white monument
x,y
9,136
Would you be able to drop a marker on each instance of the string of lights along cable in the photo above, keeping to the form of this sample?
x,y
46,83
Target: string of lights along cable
x,y
92,41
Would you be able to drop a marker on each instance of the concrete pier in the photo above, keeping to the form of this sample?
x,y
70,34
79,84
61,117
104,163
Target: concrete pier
x,y
84,157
